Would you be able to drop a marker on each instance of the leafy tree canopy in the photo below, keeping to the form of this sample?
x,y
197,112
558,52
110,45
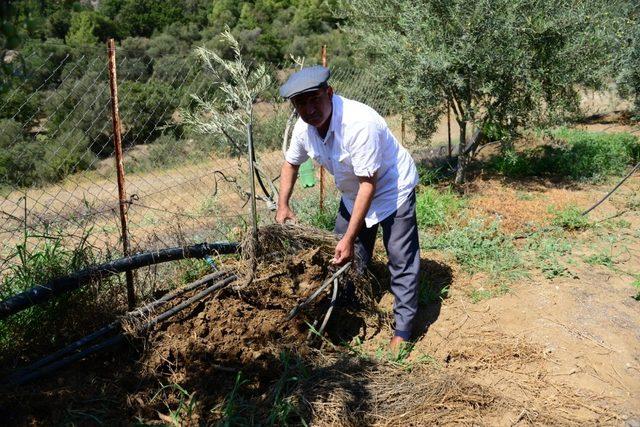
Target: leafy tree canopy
x,y
500,64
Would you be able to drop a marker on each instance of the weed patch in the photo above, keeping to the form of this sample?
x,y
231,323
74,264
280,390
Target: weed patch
x,y
429,175
600,259
546,250
481,294
46,325
430,293
435,207
478,247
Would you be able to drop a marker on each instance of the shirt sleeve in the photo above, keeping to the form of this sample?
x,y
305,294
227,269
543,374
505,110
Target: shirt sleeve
x,y
365,149
296,153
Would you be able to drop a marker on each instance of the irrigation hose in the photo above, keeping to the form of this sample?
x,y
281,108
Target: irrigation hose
x,y
45,292
114,325
22,379
635,168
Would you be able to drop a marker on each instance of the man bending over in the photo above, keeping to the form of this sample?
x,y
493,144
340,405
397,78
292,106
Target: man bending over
x,y
375,175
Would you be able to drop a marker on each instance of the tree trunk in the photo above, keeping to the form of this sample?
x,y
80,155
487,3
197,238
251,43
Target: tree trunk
x,y
462,156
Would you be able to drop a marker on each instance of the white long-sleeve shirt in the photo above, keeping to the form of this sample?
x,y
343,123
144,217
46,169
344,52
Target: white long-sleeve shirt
x,y
358,144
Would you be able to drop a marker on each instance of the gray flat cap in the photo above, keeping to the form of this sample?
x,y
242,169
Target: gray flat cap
x,y
305,80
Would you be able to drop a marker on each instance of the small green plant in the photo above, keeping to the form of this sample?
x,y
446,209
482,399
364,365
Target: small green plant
x,y
636,284
185,408
600,259
193,269
232,405
395,357
569,218
284,407
435,207
429,293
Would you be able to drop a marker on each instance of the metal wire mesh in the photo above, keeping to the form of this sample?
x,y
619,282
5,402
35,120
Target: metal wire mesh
x,y
182,187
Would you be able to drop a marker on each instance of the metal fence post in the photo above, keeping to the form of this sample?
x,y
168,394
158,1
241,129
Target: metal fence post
x,y
117,140
324,64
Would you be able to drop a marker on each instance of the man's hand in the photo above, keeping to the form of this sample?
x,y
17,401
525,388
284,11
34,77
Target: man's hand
x,y
284,214
288,176
344,252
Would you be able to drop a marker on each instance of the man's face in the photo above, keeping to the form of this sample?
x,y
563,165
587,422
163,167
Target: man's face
x,y
314,107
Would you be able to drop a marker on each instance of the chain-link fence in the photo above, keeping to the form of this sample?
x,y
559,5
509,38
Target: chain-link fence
x,y
58,173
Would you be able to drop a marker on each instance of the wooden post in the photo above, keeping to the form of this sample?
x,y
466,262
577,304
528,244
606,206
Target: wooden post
x,y
449,126
324,64
402,130
117,140
252,181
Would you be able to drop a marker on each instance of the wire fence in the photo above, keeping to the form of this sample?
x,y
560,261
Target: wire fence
x,y
58,173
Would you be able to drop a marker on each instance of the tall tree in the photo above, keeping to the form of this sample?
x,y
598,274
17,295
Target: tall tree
x,y
501,64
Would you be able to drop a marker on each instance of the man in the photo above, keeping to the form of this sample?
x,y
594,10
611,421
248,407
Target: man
x,y
375,175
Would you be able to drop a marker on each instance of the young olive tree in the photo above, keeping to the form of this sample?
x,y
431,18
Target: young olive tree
x,y
229,113
500,64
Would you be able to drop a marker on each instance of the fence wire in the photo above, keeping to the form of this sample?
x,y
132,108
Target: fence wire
x,y
57,170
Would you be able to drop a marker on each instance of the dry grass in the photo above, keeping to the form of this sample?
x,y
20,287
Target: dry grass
x,y
347,391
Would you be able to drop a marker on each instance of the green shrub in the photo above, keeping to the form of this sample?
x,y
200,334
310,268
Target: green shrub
x,y
636,284
434,207
40,161
10,133
512,163
65,155
19,103
148,109
579,155
19,164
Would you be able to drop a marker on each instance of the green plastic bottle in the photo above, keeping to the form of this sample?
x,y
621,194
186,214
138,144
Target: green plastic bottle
x,y
307,174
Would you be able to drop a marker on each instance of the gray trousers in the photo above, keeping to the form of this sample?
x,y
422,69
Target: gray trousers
x,y
400,238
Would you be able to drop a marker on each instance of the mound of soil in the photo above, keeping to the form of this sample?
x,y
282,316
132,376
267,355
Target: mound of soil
x,y
202,349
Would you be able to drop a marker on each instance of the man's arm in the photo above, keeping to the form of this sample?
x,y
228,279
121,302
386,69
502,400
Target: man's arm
x,y
288,176
366,191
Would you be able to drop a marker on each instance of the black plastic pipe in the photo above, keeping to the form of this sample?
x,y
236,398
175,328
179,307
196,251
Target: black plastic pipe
x,y
117,339
43,293
113,326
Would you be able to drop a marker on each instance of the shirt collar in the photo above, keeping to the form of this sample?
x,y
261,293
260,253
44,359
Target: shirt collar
x,y
336,117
